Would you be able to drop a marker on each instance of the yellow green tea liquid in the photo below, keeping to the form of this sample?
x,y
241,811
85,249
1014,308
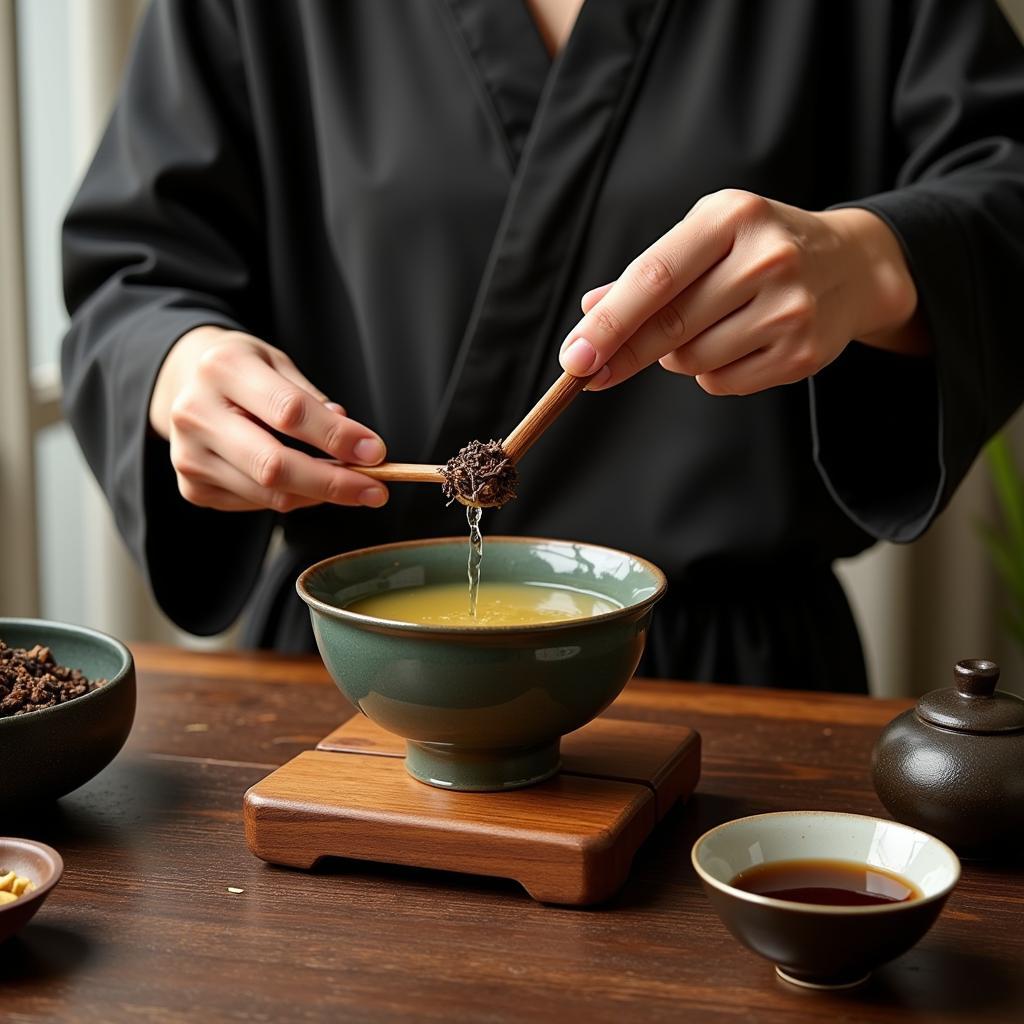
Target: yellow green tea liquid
x,y
498,604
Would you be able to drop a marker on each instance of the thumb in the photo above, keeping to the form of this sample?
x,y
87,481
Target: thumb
x,y
594,296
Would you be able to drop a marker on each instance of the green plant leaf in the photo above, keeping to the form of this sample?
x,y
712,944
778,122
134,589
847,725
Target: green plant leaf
x,y
1005,543
1008,562
1015,626
1009,484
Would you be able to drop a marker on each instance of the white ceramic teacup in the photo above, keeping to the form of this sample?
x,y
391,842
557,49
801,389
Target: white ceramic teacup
x,y
822,945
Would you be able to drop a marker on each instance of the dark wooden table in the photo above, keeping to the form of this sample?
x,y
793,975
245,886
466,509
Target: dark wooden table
x,y
145,927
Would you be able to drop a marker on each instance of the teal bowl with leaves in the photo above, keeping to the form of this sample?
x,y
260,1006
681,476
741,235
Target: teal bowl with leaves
x,y
482,707
47,753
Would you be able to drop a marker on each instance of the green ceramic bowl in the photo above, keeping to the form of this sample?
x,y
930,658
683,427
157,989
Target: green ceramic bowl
x,y
481,708
48,753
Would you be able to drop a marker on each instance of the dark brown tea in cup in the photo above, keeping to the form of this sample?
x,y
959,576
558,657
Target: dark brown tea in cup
x,y
837,883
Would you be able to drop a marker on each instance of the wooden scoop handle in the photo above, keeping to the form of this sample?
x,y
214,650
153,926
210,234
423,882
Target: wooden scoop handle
x,y
542,415
397,472
515,446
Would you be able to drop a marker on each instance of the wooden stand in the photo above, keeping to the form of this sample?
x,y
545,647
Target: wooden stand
x,y
569,840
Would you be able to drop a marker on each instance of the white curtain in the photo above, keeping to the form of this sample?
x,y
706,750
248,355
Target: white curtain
x,y
19,583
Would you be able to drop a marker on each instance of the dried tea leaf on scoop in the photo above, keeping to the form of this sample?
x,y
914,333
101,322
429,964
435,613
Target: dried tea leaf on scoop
x,y
481,474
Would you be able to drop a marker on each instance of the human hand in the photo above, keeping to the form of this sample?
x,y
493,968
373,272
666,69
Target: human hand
x,y
217,399
745,294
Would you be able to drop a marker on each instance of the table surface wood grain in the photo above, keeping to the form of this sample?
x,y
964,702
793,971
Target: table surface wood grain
x,y
145,925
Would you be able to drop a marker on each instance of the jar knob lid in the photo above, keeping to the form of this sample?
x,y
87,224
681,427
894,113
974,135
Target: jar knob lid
x,y
976,677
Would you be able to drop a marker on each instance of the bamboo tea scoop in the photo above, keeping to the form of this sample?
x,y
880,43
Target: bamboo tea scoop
x,y
398,472
551,405
553,402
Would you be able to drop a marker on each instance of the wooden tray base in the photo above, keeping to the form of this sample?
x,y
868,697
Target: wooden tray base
x,y
569,840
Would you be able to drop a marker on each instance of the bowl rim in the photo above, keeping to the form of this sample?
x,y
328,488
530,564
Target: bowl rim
x,y
822,908
7,721
433,629
40,890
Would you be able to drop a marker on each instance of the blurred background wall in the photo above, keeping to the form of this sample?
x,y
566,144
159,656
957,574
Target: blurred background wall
x,y
920,606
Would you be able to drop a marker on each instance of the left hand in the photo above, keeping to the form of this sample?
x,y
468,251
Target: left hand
x,y
746,293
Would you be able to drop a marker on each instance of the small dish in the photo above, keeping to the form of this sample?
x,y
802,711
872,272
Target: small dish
x,y
814,945
41,865
47,753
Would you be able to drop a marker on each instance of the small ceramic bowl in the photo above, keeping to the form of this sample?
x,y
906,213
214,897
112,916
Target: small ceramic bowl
x,y
47,753
481,708
41,865
824,946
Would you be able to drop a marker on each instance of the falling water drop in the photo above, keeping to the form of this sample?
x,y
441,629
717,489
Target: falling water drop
x,y
476,553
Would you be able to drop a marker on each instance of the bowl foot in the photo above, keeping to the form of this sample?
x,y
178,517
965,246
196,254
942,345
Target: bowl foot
x,y
822,984
448,767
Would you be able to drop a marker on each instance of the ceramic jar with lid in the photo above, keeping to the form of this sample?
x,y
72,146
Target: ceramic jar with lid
x,y
954,765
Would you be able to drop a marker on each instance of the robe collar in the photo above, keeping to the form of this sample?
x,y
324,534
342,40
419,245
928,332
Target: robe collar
x,y
583,101
507,56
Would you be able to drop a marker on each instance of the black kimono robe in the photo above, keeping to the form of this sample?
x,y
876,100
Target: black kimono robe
x,y
410,198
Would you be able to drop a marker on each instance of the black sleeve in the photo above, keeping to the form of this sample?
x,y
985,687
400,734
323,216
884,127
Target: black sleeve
x,y
160,239
894,436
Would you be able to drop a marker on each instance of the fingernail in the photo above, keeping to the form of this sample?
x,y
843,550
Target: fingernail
x,y
599,378
368,451
579,357
373,496
334,407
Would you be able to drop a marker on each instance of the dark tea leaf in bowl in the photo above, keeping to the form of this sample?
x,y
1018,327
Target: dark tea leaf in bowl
x,y
31,680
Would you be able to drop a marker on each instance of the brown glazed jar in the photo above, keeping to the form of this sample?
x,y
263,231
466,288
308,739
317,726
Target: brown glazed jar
x,y
954,765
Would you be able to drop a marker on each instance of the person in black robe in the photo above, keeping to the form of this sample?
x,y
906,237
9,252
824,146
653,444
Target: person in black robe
x,y
397,206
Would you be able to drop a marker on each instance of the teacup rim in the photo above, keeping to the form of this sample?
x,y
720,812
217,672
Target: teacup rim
x,y
814,908
421,629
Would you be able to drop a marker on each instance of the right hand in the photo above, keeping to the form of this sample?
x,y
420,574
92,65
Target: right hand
x,y
218,397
